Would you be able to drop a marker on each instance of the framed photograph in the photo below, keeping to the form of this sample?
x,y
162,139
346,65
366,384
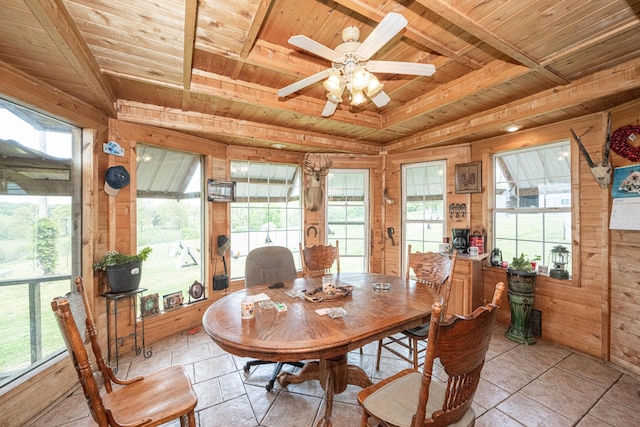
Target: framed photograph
x,y
469,178
149,305
626,182
171,301
221,191
196,292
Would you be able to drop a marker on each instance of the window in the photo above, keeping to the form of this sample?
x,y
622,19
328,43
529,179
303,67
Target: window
x,y
533,201
39,231
170,211
267,210
423,205
347,217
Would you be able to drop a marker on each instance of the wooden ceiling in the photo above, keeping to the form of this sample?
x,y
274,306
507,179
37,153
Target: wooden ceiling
x,y
212,68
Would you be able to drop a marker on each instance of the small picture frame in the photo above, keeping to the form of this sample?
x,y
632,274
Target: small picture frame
x,y
221,191
149,305
172,301
196,292
469,178
543,270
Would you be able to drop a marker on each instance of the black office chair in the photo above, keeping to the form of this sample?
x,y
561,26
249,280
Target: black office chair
x,y
268,265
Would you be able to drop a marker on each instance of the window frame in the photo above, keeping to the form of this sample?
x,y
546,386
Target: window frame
x,y
488,159
296,183
405,221
343,246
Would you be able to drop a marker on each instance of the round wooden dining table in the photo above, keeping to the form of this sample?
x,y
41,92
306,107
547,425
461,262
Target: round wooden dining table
x,y
301,333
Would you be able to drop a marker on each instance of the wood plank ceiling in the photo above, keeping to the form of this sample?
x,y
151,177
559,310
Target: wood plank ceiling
x,y
212,68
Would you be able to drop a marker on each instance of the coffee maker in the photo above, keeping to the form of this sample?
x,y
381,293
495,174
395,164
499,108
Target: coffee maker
x,y
460,240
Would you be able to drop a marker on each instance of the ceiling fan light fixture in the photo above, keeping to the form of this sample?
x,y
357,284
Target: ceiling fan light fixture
x,y
357,97
333,83
335,98
374,87
360,78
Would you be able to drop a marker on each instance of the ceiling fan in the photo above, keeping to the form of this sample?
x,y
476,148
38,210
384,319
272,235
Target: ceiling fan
x,y
351,67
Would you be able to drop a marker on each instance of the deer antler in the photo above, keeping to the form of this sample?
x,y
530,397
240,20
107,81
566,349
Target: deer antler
x,y
601,172
310,168
607,143
582,149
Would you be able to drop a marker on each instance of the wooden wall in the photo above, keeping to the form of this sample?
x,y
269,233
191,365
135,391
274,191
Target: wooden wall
x,y
574,312
624,270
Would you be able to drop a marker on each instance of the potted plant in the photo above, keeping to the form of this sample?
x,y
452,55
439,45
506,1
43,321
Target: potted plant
x,y
123,270
521,280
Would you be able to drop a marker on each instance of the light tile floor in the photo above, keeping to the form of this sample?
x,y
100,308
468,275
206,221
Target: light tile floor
x,y
539,385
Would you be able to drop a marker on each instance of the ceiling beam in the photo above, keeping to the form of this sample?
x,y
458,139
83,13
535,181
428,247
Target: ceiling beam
x,y
238,91
23,88
619,79
474,83
188,121
56,21
448,12
377,12
190,21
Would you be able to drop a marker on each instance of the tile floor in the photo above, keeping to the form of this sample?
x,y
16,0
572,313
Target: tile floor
x,y
539,385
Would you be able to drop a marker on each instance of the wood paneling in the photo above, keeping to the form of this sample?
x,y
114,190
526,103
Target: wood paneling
x,y
625,272
574,312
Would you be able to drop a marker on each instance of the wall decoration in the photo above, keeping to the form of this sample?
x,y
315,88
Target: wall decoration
x,y
626,182
173,300
457,210
149,305
469,178
621,141
313,194
221,191
196,292
600,171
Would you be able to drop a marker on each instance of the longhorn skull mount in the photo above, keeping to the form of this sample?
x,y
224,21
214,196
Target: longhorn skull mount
x,y
602,171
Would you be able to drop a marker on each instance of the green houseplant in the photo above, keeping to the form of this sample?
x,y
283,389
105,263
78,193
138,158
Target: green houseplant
x,y
123,270
521,280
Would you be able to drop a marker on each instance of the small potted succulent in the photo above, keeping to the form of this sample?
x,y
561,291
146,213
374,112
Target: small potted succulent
x,y
123,270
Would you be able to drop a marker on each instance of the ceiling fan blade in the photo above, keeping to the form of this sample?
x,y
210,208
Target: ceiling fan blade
x,y
304,42
329,109
294,87
395,67
390,25
381,99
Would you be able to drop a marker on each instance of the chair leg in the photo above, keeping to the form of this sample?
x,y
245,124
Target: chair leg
x,y
414,346
276,371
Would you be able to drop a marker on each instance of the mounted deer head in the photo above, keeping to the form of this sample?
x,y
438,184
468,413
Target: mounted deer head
x,y
601,172
313,194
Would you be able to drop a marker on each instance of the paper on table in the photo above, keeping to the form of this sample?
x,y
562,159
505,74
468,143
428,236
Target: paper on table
x,y
259,297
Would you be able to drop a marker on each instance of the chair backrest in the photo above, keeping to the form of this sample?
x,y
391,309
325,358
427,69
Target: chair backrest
x,y
78,353
81,313
434,270
269,264
318,259
461,344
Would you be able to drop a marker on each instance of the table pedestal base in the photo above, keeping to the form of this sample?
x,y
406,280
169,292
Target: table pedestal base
x,y
334,375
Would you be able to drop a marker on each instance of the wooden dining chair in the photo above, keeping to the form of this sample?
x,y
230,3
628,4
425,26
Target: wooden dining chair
x,y
434,270
318,260
268,265
151,400
412,398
